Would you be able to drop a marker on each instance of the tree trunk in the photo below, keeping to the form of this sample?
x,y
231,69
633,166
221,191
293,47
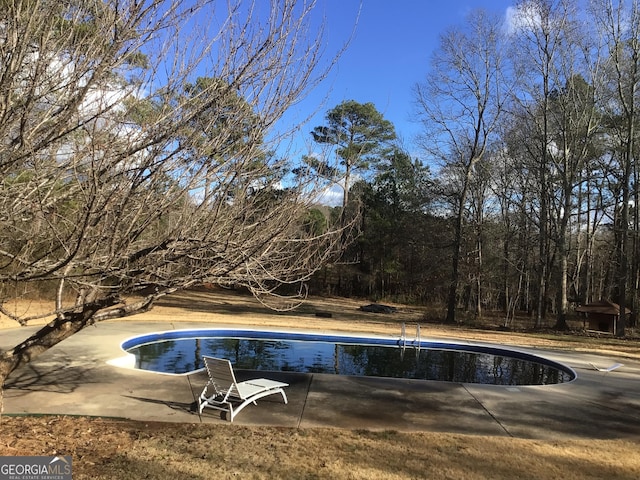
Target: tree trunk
x,y
63,327
457,243
452,298
67,324
623,270
561,319
478,309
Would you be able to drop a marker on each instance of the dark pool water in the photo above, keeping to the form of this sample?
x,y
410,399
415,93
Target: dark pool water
x,y
495,367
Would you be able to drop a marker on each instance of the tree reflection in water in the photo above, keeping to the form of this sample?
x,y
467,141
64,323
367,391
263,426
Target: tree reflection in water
x,y
185,355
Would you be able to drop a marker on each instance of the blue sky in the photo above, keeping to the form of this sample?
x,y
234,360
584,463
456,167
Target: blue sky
x,y
389,53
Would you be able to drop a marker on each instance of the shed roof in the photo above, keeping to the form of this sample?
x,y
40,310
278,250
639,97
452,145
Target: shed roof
x,y
602,306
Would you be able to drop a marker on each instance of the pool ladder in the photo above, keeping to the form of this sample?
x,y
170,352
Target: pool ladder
x,y
403,339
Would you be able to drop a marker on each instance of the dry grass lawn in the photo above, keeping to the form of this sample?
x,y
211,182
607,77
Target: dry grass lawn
x,y
116,449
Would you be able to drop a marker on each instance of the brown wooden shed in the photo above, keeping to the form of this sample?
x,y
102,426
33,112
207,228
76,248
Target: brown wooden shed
x,y
601,316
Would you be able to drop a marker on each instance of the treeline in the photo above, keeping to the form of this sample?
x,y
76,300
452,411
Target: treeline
x,y
522,195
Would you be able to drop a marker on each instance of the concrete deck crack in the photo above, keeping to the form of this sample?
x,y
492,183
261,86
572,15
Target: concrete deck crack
x,y
304,405
495,419
195,399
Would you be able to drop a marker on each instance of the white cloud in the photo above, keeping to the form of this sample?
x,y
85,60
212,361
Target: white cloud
x,y
331,196
524,17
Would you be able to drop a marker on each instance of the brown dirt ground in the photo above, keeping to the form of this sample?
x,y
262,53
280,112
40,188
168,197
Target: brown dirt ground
x,y
116,449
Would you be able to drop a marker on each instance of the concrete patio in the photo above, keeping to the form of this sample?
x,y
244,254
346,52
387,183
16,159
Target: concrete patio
x,y
75,378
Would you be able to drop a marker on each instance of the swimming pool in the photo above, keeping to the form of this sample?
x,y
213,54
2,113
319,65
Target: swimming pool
x,y
181,351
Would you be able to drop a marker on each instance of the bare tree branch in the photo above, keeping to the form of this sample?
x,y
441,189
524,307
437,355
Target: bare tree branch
x,y
137,154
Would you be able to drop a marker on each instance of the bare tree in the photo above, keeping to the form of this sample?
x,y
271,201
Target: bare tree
x,y
619,24
124,176
574,124
459,105
539,31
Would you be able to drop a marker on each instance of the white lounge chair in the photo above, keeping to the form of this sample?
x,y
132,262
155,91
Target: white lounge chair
x,y
222,389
